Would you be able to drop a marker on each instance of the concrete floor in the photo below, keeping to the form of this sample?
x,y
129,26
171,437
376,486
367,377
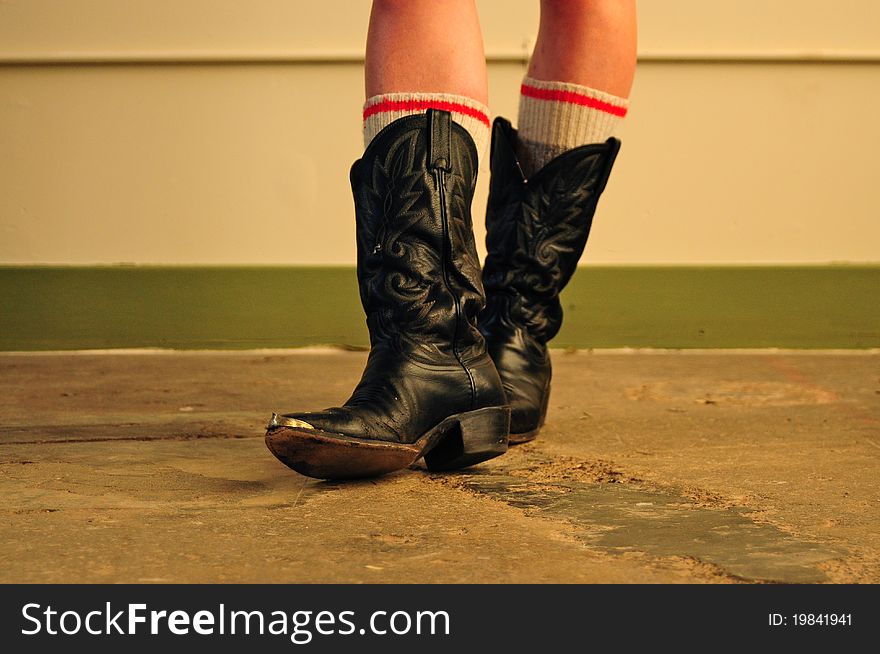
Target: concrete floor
x,y
653,467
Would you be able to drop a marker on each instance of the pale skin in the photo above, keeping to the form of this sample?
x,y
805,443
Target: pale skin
x,y
436,46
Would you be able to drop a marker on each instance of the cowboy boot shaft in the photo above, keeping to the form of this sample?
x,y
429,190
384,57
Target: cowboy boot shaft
x,y
418,268
537,228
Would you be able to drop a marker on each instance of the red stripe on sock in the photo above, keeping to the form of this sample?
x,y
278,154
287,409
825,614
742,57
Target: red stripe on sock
x,y
423,105
572,98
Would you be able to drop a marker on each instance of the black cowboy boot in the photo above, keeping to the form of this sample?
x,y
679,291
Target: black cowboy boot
x,y
536,232
430,388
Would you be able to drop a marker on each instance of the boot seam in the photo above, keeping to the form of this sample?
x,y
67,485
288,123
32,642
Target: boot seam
x,y
440,165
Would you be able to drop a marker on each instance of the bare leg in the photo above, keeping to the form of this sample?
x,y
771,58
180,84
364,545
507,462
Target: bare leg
x,y
426,46
587,42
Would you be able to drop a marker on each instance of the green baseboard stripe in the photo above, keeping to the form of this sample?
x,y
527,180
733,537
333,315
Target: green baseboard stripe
x,y
68,308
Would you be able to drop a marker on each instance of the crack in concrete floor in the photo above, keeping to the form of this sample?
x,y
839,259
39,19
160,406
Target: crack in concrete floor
x,y
621,518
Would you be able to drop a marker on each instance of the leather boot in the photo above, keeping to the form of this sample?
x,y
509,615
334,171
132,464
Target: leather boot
x,y
536,232
429,388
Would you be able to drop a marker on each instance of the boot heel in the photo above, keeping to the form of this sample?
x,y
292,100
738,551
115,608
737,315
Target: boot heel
x,y
544,404
470,438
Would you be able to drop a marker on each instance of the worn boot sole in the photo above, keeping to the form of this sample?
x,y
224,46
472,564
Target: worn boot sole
x,y
459,441
519,439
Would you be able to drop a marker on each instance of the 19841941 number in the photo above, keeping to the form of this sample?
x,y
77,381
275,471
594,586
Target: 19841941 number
x,y
810,619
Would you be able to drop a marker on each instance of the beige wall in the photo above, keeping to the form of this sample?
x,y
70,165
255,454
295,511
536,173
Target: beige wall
x,y
164,131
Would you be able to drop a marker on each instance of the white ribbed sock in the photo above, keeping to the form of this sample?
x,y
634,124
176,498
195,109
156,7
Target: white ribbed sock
x,y
558,116
382,110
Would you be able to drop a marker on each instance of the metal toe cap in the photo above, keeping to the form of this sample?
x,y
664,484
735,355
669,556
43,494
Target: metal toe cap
x,y
279,421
